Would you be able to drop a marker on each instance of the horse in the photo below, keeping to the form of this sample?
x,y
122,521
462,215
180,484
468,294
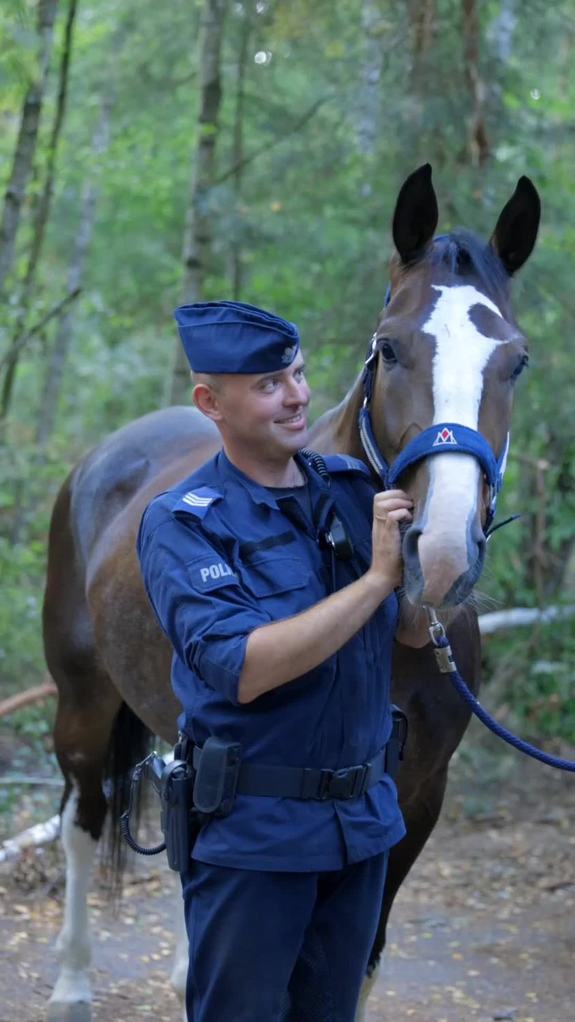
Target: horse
x,y
446,348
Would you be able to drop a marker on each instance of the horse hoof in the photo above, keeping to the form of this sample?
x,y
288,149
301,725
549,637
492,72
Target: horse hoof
x,y
59,1011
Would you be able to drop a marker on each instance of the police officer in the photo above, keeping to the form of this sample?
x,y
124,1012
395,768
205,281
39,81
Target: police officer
x,y
278,598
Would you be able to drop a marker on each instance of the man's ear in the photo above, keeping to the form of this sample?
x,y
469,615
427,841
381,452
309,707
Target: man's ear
x,y
206,401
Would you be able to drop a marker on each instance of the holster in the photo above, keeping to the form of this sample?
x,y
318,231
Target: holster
x,y
179,823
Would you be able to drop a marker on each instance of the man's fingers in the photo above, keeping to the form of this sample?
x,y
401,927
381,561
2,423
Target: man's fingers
x,y
394,493
400,514
386,505
392,497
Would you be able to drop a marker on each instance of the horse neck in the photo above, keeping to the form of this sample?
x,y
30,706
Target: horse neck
x,y
337,431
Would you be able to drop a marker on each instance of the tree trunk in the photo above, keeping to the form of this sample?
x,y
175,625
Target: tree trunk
x,y
370,97
421,16
52,386
238,151
42,214
198,227
478,143
26,142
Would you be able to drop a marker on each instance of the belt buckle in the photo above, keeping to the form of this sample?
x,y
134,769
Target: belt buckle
x,y
324,786
343,784
359,780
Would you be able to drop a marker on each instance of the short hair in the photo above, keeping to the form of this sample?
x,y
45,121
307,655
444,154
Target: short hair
x,y
213,380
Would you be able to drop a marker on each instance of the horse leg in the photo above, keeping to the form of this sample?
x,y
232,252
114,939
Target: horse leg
x,y
420,815
179,972
81,737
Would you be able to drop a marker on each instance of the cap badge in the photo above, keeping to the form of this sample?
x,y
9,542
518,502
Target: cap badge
x,y
288,355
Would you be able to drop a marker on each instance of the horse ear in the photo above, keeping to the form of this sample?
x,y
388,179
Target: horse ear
x,y
415,216
514,236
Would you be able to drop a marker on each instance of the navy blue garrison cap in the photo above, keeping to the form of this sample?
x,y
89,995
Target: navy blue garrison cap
x,y
233,337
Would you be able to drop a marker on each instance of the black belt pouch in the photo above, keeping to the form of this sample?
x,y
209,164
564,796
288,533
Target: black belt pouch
x,y
216,776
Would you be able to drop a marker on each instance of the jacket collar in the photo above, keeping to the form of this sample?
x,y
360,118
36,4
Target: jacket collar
x,y
260,494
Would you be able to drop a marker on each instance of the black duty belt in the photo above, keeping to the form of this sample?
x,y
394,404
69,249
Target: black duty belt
x,y
315,783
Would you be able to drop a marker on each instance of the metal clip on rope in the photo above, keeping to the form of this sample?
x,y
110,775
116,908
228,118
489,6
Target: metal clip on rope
x,y
447,665
441,647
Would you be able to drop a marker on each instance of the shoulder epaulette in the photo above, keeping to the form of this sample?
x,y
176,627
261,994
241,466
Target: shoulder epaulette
x,y
345,463
196,502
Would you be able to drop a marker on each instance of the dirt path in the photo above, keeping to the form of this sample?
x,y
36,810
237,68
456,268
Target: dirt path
x,y
484,929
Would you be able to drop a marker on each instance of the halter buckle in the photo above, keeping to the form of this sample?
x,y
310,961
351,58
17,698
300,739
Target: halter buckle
x,y
372,351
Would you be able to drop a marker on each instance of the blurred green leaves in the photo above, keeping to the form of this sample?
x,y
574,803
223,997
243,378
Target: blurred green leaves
x,y
312,216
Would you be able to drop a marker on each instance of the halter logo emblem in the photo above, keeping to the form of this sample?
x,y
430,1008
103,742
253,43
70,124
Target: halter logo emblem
x,y
445,436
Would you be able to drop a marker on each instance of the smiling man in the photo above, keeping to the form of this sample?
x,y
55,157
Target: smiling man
x,y
277,595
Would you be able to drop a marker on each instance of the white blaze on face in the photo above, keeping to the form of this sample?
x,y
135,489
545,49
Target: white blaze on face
x,y
461,355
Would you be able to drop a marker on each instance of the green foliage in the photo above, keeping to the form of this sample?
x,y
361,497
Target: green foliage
x,y
24,514
530,673
22,568
26,742
341,100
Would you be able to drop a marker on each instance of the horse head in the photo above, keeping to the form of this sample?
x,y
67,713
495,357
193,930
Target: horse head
x,y
446,355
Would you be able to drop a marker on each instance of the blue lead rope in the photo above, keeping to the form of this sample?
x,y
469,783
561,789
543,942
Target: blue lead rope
x,y
447,665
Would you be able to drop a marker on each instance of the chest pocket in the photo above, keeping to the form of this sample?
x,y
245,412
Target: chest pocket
x,y
270,576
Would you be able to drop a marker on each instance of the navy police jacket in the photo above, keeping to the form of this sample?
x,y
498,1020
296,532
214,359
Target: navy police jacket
x,y
221,556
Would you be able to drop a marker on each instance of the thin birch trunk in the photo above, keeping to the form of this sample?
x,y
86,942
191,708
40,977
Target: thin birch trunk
x,y
58,357
237,266
42,214
26,141
198,228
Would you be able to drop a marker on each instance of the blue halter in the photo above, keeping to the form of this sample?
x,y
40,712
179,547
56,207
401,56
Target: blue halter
x,y
441,438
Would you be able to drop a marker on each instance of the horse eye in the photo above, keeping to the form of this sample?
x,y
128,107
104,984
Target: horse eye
x,y
387,353
521,365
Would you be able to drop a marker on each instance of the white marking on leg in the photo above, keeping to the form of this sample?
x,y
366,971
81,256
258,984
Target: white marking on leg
x,y
73,944
461,355
179,972
366,988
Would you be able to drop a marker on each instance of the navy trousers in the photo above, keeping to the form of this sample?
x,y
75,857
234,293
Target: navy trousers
x,y
279,947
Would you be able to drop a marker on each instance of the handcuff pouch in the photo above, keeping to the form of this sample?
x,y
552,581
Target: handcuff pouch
x,y
217,766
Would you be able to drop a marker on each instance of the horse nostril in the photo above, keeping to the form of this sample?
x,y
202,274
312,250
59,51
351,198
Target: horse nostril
x,y
480,544
477,543
410,543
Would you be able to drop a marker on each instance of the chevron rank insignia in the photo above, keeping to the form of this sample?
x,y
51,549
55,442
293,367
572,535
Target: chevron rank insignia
x,y
196,502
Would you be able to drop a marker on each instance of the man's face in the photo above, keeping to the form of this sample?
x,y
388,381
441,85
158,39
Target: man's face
x,y
266,414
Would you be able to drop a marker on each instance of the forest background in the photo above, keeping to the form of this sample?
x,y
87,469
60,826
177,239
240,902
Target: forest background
x,y
152,153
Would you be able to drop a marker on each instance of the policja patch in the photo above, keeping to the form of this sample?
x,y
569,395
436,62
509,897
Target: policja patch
x,y
211,572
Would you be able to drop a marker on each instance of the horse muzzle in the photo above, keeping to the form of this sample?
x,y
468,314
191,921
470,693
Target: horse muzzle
x,y
439,570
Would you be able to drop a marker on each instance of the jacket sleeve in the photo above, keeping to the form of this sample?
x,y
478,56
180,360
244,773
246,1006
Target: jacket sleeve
x,y
198,600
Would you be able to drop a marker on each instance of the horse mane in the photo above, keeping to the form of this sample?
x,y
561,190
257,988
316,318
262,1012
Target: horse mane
x,y
464,254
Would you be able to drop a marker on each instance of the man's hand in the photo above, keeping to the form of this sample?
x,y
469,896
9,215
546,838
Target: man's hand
x,y
389,509
286,649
